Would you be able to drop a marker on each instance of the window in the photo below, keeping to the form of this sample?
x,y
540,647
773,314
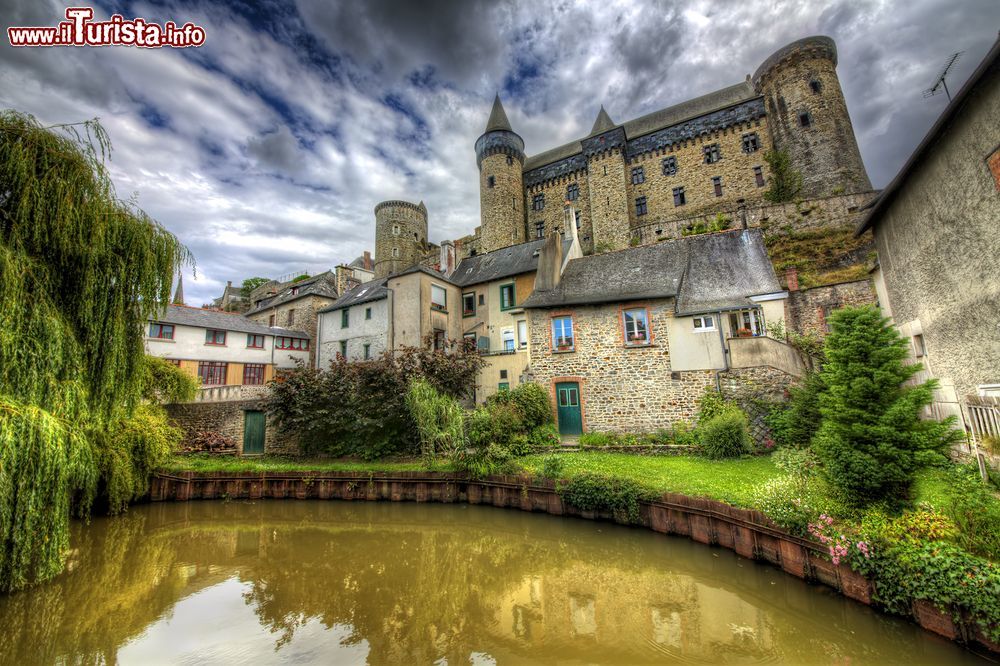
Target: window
x,y
711,153
503,386
751,143
919,350
503,374
482,299
468,304
368,313
469,340
679,199
439,297
173,361
291,316
295,344
491,181
161,331
295,291
395,230
704,324
640,206
345,318
253,374
745,323
212,373
507,296
538,202
669,166
395,253
758,175
638,176
636,327
255,341
343,349
815,86
539,230
507,336
214,337
510,160
270,320
572,191
367,351
717,185
805,118
562,333
440,341
522,334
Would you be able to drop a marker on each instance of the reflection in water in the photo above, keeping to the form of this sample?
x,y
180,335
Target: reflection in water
x,y
321,582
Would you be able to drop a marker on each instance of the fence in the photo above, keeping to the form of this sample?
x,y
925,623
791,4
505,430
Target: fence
x,y
982,420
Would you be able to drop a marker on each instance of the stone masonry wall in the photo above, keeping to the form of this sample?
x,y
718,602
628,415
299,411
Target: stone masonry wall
x,y
409,244
754,390
296,315
551,216
623,389
227,418
502,215
608,200
807,310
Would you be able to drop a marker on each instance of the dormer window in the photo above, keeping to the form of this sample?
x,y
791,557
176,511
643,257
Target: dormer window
x,y
295,291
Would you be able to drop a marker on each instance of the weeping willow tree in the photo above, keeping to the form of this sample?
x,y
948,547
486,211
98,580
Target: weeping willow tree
x,y
80,273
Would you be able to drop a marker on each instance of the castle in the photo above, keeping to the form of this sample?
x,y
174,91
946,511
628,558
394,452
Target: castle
x,y
626,182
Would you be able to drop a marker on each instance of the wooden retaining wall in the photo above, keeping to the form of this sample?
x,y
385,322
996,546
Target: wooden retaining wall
x,y
745,531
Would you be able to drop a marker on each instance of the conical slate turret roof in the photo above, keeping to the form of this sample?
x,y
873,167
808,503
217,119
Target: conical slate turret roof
x,y
603,122
498,119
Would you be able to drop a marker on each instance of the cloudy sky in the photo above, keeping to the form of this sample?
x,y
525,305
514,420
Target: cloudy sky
x,y
266,149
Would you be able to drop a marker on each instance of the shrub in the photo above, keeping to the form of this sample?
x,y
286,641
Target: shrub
x,y
796,423
438,418
485,460
597,439
975,509
710,404
553,466
495,423
531,401
797,463
786,501
786,182
598,492
872,438
165,383
545,436
726,435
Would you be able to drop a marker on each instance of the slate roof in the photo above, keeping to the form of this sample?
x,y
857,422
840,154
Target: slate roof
x,y
324,284
502,263
498,118
705,273
366,292
184,315
651,122
420,268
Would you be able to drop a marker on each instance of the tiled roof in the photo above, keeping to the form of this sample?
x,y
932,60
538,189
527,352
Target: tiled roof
x,y
366,292
505,262
324,284
706,272
224,321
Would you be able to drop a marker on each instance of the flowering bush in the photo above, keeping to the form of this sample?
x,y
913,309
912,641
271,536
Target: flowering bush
x,y
839,544
785,501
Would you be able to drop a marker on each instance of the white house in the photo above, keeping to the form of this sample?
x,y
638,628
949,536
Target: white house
x,y
356,327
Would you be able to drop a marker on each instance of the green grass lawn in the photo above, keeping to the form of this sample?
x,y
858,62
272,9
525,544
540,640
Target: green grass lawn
x,y
726,480
206,463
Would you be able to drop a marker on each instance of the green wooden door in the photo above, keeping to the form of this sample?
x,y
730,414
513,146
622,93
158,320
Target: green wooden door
x,y
568,408
253,433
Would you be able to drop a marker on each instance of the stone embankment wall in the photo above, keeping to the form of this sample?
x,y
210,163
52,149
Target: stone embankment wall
x,y
747,532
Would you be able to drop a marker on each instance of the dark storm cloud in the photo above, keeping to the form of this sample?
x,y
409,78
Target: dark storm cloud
x,y
267,149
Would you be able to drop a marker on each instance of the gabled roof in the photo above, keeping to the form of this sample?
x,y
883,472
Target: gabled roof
x,y
366,292
420,268
324,284
991,63
705,273
651,122
502,263
184,315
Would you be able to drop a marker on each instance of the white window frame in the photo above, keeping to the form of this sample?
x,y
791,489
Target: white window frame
x,y
395,230
645,320
572,334
395,253
443,304
699,324
522,334
507,335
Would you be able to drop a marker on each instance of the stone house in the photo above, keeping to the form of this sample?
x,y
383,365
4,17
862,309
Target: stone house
x,y
629,340
294,304
223,348
355,327
231,299
936,234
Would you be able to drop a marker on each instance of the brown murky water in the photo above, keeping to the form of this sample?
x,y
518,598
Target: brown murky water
x,y
341,582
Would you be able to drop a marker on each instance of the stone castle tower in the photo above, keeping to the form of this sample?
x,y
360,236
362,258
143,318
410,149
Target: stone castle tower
x,y
808,116
500,156
400,236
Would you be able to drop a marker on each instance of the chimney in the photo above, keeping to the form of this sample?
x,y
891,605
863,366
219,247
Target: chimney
x,y
549,263
369,265
742,210
447,258
792,279
229,283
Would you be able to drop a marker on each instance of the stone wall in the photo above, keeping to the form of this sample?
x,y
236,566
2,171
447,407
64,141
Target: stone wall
x,y
552,216
502,215
755,390
400,230
623,389
608,200
227,419
297,315
807,310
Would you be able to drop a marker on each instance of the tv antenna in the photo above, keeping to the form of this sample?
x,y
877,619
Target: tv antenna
x,y
939,82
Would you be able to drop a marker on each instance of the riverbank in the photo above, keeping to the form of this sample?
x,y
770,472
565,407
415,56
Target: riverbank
x,y
748,532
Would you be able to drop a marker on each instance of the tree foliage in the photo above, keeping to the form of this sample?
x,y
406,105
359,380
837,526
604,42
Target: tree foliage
x,y
438,418
250,284
165,383
872,439
80,273
786,182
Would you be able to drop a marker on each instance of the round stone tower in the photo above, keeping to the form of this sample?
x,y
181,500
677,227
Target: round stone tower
x,y
808,118
400,236
500,156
